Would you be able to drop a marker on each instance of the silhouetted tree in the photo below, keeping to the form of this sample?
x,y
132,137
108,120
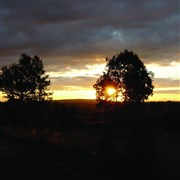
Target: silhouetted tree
x,y
25,80
129,78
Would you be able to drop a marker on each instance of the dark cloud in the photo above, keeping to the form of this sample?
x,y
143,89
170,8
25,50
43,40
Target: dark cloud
x,y
74,33
62,83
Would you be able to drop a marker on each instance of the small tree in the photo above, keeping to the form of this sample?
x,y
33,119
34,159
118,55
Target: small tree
x,y
25,80
128,76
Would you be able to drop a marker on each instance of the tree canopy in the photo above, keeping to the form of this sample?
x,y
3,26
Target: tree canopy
x,y
128,76
25,80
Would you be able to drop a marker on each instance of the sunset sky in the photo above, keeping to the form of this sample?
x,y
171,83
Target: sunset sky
x,y
74,37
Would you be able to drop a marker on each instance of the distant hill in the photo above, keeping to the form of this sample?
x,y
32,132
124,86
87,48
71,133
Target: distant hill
x,y
75,101
82,104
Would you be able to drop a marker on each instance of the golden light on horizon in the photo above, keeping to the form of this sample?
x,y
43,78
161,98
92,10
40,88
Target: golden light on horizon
x,y
160,94
165,97
91,94
74,94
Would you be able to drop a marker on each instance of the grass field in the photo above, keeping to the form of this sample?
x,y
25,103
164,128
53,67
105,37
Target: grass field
x,y
73,139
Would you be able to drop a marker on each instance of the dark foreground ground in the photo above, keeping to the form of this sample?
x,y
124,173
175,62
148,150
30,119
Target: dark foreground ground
x,y
107,144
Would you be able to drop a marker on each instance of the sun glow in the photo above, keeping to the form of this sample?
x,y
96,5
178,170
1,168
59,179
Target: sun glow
x,y
110,91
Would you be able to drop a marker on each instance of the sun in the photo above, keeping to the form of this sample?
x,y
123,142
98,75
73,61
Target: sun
x,y
110,91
